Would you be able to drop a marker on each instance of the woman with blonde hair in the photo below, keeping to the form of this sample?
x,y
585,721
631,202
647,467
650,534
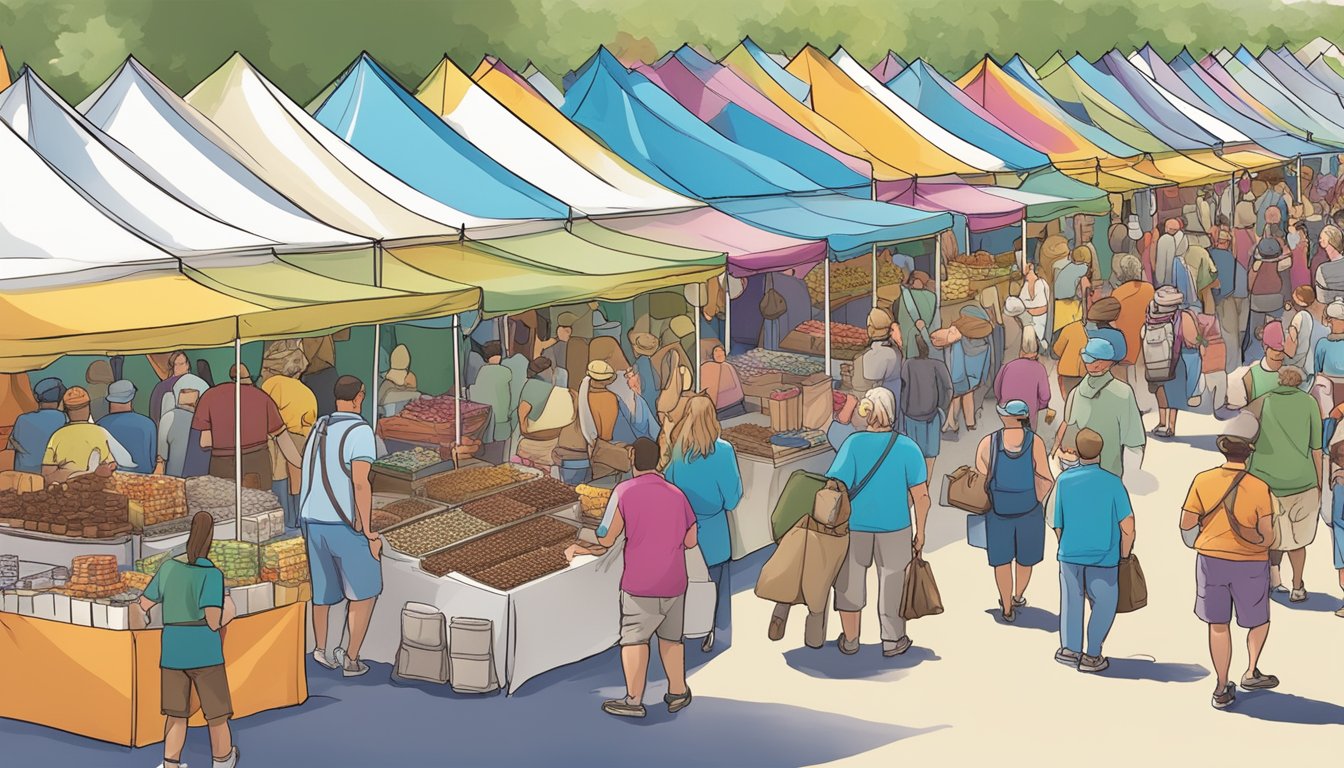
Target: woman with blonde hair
x,y
697,460
885,475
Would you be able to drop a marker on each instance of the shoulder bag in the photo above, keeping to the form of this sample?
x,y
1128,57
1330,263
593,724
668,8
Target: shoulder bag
x,y
828,506
968,490
1225,503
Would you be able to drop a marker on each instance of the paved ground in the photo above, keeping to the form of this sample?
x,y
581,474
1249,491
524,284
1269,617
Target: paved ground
x,y
971,689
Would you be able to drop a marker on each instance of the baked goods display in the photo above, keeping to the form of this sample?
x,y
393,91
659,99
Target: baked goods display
x,y
524,568
440,410
237,560
544,494
759,361
850,278
843,335
593,500
750,438
967,274
436,531
79,508
285,560
134,581
150,565
93,576
409,461
479,554
498,509
461,485
161,498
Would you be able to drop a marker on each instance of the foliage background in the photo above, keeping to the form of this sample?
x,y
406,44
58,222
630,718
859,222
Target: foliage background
x,y
303,44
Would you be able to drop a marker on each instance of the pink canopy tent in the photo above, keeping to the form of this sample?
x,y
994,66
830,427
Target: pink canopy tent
x,y
751,251
984,211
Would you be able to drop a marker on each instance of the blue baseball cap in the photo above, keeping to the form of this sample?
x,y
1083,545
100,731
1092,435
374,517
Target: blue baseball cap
x,y
49,390
1099,349
1015,408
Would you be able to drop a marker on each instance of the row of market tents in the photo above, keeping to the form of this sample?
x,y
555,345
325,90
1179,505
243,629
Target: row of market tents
x,y
142,220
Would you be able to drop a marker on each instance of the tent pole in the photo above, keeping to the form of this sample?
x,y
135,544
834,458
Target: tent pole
x,y
697,314
874,274
938,271
1299,179
826,310
377,344
1022,254
237,438
727,314
457,383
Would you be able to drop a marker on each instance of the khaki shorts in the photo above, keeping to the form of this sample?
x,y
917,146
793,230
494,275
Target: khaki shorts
x,y
644,617
1295,519
212,688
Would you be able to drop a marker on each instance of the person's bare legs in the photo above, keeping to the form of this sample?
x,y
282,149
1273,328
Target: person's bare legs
x,y
174,738
1275,575
1255,643
849,624
951,425
968,409
1220,652
930,462
673,654
221,739
1023,574
321,613
360,612
1003,578
635,662
1298,559
1171,420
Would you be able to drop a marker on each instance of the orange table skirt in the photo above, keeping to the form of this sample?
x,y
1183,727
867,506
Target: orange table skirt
x,y
104,684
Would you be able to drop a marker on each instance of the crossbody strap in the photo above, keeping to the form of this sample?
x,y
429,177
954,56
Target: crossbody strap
x,y
856,490
1225,503
320,459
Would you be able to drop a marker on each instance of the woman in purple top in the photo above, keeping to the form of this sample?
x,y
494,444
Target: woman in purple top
x,y
179,365
1025,378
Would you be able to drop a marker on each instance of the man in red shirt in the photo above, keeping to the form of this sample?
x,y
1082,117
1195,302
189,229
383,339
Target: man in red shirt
x,y
260,423
659,527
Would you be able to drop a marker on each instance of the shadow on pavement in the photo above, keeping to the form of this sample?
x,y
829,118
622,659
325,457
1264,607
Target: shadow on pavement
x,y
1316,602
1202,442
1147,668
1028,618
868,664
1276,707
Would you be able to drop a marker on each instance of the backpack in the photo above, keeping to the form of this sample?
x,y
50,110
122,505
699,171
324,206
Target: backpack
x,y
1161,343
1329,286
772,306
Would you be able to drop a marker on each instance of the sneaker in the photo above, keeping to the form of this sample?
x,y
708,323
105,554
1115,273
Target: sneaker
x,y
1298,595
1007,616
707,646
320,656
1020,602
1068,657
896,647
1093,663
1224,698
1340,612
677,703
623,708
846,646
229,762
1275,581
354,668
1256,680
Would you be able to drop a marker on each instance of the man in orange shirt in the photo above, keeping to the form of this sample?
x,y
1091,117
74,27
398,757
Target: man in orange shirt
x,y
1134,294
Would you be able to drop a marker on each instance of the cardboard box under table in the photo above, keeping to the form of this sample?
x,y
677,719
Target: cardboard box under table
x,y
104,684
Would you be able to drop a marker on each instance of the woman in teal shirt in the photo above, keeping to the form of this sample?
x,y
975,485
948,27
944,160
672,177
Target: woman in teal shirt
x,y
195,608
704,466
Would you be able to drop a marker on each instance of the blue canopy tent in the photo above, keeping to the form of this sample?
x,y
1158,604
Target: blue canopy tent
x,y
1291,114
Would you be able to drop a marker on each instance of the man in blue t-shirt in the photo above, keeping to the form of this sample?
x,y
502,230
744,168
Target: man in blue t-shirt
x,y
1229,294
134,431
337,498
1095,525
33,430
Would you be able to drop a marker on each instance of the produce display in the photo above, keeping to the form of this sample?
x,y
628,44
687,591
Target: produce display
x,y
593,500
93,576
150,565
434,532
498,509
843,335
968,273
162,498
851,277
524,568
758,361
544,494
460,485
216,496
752,439
285,560
479,554
238,561
78,508
409,461
440,410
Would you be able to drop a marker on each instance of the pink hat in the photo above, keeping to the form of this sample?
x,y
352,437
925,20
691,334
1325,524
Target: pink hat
x,y
1272,337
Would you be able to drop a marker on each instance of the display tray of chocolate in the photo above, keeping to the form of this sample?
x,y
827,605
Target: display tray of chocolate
x,y
434,531
492,549
79,508
750,438
543,495
523,569
499,509
405,509
462,485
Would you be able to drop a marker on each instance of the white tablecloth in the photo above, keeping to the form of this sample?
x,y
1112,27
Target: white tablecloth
x,y
762,482
46,548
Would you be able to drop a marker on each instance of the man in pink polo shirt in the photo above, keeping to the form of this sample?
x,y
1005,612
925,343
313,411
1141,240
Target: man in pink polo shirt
x,y
659,527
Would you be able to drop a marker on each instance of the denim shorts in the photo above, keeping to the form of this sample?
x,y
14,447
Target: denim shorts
x,y
342,566
1019,537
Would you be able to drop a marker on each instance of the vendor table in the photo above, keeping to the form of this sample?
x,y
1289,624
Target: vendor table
x,y
104,684
762,482
49,548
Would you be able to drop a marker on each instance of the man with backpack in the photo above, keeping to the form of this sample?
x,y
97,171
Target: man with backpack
x,y
343,550
1228,519
1288,459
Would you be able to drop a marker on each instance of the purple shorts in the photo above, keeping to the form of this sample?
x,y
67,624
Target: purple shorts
x,y
1221,585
